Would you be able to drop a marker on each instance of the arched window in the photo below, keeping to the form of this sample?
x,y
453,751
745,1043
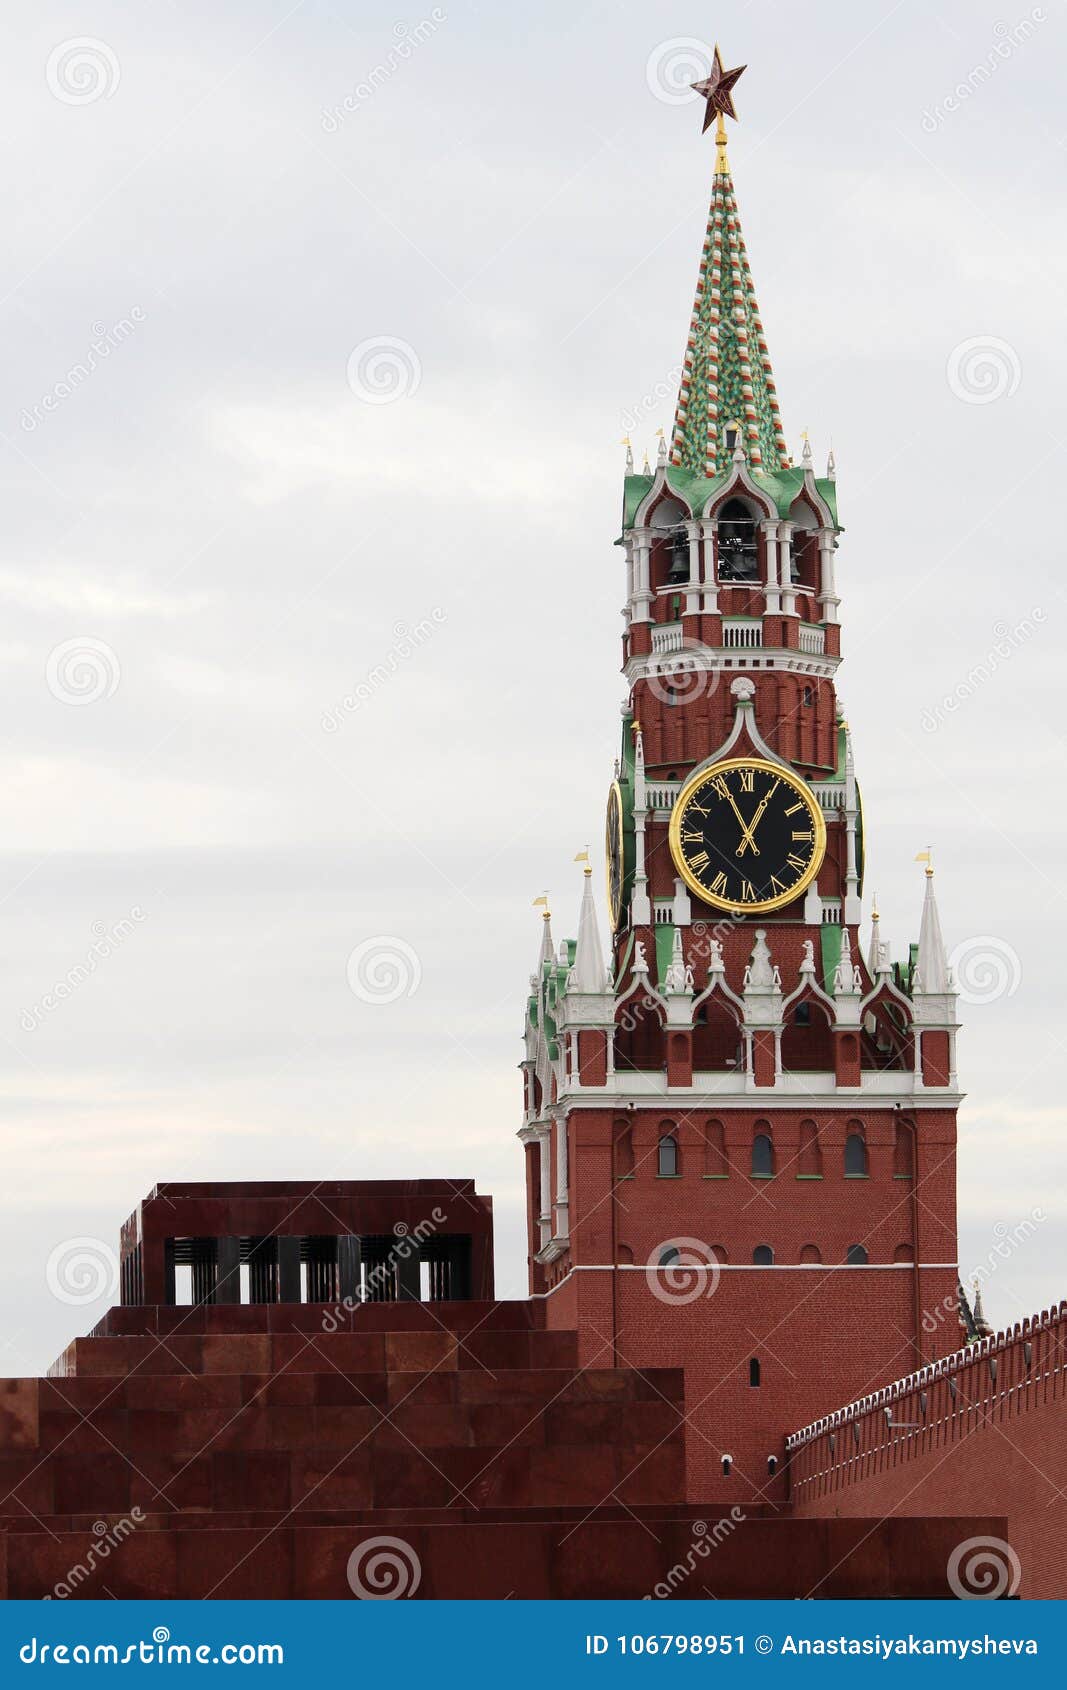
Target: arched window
x,y
762,1156
670,544
855,1156
809,697
714,1151
667,1160
624,1150
811,1253
809,1155
753,1372
803,547
763,1256
902,1152
857,1256
738,549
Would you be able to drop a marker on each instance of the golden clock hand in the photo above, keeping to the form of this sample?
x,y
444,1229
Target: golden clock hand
x,y
750,830
746,832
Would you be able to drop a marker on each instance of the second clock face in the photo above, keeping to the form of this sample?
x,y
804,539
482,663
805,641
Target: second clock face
x,y
747,835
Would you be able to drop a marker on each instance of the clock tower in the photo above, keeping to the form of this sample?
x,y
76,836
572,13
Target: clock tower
x,y
740,1117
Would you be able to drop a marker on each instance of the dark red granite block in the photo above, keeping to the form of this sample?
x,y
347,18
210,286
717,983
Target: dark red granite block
x,y
75,1434
426,1425
597,1385
333,1481
210,1428
241,1354
75,1395
554,1349
476,1386
280,1390
19,1400
502,1561
495,1350
27,1483
112,1356
190,1392
99,1485
243,1479
406,1479
334,1390
422,1388
165,1484
606,1560
653,1384
501,1424
571,1477
251,1563
650,1422
487,1478
584,1423
420,1352
654,1475
338,1428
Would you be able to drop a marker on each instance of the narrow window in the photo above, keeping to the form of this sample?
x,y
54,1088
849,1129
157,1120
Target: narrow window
x,y
753,1373
762,1156
855,1154
763,1256
857,1256
667,1164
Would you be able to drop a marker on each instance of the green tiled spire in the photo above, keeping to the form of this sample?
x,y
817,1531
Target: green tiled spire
x,y
727,376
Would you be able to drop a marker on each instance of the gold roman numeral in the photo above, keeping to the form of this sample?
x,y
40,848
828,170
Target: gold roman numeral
x,y
793,861
748,892
719,785
700,861
803,833
776,884
748,780
793,808
718,885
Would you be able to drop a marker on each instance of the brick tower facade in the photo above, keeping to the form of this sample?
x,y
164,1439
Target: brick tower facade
x,y
740,1132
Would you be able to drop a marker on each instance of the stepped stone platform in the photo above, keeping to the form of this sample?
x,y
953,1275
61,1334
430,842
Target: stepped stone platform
x,y
258,1462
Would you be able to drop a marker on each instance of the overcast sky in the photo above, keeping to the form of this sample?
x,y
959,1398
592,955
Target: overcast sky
x,y
223,515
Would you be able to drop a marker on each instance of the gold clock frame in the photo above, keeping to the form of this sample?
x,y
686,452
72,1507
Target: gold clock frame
x,y
615,907
700,779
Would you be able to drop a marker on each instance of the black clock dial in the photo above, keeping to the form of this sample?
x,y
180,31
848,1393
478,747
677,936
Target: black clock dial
x,y
613,846
747,835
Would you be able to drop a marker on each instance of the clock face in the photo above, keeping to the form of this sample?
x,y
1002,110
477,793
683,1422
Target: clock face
x,y
746,835
613,847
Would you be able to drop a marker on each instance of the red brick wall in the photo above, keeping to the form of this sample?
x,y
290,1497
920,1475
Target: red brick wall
x,y
985,1429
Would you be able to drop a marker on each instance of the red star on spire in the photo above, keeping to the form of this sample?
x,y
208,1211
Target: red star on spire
x,y
717,90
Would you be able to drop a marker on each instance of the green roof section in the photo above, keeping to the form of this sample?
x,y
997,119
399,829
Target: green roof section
x,y
664,947
782,488
830,936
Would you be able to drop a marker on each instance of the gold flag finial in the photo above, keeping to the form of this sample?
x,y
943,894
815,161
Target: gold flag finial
x,y
583,857
926,857
542,904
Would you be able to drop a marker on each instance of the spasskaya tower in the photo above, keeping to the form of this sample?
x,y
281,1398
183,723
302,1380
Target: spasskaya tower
x,y
740,1118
